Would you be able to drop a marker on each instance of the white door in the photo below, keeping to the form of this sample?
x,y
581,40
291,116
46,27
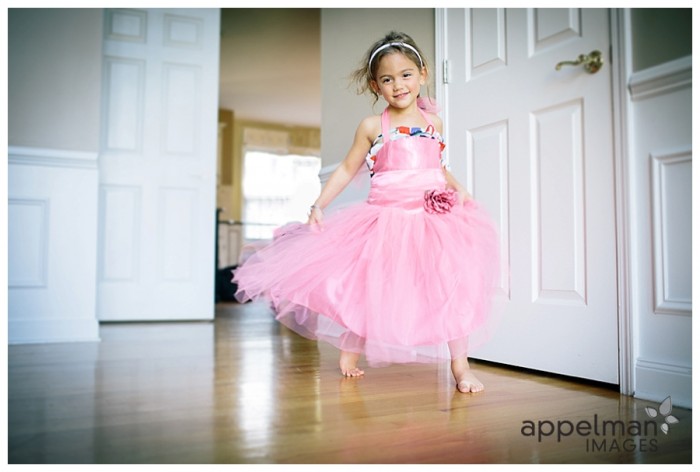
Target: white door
x,y
158,164
535,146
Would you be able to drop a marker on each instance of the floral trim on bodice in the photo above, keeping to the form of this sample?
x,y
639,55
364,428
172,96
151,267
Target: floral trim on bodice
x,y
405,132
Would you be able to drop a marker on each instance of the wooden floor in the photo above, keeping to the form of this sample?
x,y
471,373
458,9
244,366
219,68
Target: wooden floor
x,y
244,390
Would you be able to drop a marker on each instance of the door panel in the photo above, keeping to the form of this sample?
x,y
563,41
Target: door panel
x,y
534,146
158,164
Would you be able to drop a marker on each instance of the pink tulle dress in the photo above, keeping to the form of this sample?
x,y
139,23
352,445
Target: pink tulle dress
x,y
396,277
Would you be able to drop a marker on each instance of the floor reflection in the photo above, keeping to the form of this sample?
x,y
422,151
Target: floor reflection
x,y
244,389
262,362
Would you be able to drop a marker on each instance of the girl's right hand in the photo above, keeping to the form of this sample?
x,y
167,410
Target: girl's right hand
x,y
315,216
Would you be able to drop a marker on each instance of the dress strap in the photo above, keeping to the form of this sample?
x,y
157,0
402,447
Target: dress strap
x,y
426,117
386,126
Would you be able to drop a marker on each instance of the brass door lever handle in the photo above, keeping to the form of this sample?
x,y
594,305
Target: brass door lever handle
x,y
592,62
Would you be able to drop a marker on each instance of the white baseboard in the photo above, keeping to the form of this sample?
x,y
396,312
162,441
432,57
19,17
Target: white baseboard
x,y
656,380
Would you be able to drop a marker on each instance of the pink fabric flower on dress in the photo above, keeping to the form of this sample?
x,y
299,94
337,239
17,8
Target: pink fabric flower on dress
x,y
439,201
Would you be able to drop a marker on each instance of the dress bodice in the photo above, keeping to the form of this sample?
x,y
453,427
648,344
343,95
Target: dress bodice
x,y
404,148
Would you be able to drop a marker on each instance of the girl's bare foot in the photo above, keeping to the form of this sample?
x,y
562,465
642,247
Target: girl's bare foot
x,y
348,364
466,380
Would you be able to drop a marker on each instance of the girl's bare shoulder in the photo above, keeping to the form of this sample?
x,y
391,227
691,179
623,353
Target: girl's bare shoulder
x,y
370,127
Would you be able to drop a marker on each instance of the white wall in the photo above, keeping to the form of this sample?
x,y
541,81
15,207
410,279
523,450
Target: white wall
x,y
661,216
54,63
659,143
54,75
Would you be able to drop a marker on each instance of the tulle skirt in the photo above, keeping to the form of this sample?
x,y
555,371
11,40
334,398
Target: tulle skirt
x,y
396,283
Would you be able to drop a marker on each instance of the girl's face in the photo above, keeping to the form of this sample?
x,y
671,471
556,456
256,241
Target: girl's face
x,y
398,80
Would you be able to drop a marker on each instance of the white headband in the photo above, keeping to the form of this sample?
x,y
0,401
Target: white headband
x,y
369,65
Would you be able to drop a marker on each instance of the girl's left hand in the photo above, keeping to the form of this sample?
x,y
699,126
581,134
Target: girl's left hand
x,y
463,196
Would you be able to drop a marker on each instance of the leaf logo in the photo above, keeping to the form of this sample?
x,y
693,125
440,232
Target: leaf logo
x,y
665,410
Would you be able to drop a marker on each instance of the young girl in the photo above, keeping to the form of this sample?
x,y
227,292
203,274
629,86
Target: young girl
x,y
405,276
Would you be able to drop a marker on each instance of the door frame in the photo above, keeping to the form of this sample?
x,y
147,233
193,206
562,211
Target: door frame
x,y
620,51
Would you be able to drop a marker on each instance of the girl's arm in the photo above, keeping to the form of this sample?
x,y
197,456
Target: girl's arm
x,y
457,187
347,169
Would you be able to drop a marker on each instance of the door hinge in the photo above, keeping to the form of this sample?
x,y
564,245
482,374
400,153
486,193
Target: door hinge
x,y
446,71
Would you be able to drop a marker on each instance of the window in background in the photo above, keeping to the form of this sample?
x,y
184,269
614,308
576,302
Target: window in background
x,y
277,189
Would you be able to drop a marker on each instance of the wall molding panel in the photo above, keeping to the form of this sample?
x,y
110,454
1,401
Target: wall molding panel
x,y
27,224
52,223
664,78
671,178
20,155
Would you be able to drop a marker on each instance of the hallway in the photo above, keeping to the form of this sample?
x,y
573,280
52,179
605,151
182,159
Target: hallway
x,y
242,389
